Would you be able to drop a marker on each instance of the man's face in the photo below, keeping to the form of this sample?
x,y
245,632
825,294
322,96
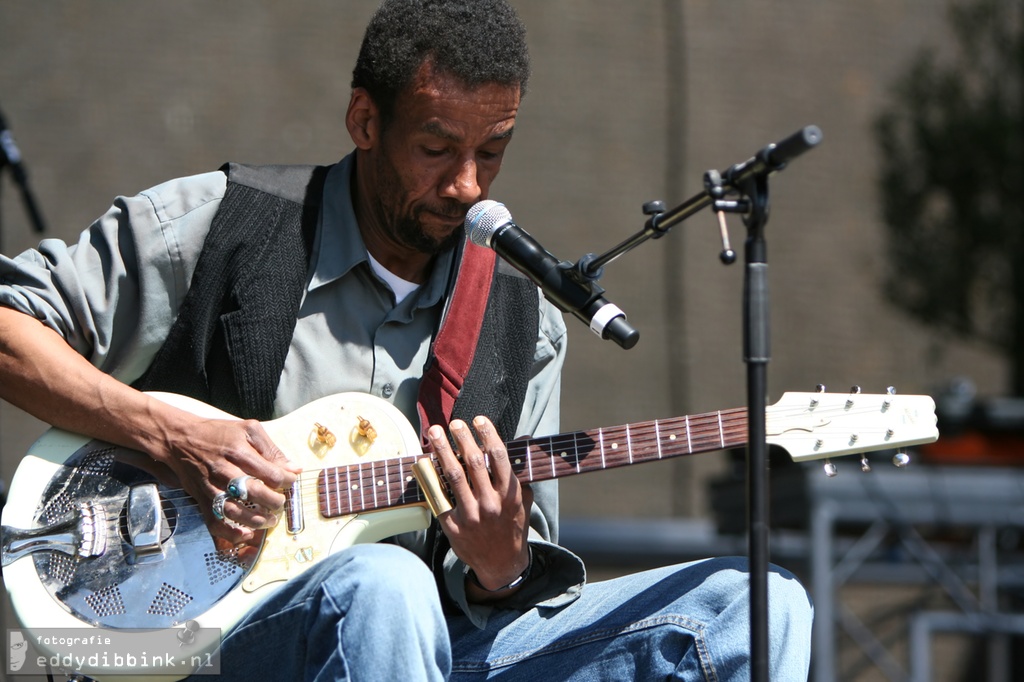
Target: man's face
x,y
438,157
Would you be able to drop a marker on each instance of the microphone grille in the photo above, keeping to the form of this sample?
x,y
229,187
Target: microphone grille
x,y
484,219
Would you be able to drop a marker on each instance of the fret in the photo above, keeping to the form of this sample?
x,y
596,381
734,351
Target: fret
x,y
600,440
336,491
657,436
348,487
576,452
629,445
721,432
401,480
360,487
689,440
387,482
327,499
373,483
551,457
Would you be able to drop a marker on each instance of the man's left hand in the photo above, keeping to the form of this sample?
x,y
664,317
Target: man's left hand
x,y
489,525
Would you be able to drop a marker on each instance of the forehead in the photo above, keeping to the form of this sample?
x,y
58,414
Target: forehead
x,y
438,102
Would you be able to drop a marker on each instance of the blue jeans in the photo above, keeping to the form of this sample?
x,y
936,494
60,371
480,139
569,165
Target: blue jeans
x,y
372,613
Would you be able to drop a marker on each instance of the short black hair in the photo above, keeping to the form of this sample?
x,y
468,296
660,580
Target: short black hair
x,y
477,41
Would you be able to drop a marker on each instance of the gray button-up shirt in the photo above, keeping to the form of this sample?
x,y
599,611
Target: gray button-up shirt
x,y
114,295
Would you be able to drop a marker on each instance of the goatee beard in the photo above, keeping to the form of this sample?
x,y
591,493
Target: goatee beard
x,y
410,232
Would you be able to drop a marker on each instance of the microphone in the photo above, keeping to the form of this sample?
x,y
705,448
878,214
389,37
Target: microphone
x,y
489,224
10,154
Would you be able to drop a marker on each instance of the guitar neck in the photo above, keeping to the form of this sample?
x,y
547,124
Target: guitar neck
x,y
369,486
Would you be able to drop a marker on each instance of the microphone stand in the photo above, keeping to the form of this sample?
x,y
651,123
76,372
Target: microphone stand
x,y
10,155
749,180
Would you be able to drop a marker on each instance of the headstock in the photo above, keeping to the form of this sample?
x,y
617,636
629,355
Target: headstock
x,y
821,425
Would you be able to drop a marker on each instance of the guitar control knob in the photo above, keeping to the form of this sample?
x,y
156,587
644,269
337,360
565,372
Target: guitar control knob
x,y
324,435
366,429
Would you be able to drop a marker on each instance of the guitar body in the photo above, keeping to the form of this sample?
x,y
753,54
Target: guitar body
x,y
99,560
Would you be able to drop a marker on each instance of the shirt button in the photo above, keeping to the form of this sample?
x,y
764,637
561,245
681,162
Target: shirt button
x,y
387,390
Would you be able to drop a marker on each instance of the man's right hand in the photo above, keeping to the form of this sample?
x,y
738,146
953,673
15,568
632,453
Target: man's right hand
x,y
208,454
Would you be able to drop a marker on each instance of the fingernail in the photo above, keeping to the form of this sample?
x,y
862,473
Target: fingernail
x,y
457,425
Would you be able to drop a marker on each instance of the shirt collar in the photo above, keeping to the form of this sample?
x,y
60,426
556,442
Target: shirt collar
x,y
339,246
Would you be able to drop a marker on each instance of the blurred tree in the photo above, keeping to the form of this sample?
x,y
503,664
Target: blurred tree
x,y
952,181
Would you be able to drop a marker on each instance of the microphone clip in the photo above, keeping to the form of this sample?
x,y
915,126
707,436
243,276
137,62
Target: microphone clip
x,y
583,273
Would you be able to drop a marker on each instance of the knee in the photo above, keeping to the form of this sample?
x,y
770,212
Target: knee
x,y
787,597
377,574
788,600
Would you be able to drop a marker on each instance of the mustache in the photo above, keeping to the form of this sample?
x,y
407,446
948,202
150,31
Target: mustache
x,y
452,209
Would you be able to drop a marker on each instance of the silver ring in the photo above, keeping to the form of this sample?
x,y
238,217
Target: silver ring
x,y
238,487
218,505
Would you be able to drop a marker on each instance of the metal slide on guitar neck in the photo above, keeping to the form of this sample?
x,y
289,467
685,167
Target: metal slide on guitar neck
x,y
99,536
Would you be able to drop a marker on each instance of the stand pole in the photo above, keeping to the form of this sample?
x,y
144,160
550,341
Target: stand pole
x,y
757,353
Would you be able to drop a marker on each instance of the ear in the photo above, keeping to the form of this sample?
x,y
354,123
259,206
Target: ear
x,y
363,119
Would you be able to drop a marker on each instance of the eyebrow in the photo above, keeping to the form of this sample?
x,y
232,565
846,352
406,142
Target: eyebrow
x,y
435,128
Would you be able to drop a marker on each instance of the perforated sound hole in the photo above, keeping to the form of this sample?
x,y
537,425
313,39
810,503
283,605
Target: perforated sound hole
x,y
106,602
58,508
98,463
223,564
62,568
169,601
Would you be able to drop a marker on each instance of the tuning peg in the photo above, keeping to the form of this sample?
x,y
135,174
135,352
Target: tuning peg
x,y
854,390
865,465
888,402
901,459
820,388
830,469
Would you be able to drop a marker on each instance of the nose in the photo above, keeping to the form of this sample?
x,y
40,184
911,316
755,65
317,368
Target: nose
x,y
463,184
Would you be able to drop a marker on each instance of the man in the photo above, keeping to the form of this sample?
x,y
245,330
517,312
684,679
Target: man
x,y
261,289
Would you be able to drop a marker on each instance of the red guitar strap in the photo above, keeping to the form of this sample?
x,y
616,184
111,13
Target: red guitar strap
x,y
456,342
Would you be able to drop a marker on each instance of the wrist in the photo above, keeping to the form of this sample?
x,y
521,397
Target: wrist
x,y
515,583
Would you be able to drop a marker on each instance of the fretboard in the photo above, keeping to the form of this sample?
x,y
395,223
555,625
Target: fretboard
x,y
381,484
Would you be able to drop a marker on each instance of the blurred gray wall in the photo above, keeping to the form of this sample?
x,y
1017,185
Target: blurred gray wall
x,y
630,101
